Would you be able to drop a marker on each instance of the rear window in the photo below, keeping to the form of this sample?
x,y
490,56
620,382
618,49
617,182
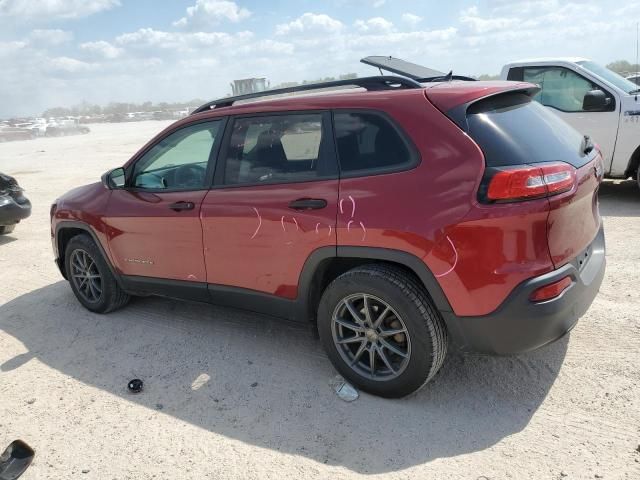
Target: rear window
x,y
512,130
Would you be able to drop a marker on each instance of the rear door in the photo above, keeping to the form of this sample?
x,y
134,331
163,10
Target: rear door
x,y
274,201
154,222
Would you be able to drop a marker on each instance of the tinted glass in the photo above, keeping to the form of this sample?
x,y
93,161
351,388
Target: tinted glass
x,y
612,77
367,141
560,88
512,130
178,161
277,148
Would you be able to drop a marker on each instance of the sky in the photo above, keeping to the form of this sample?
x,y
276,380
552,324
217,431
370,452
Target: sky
x,y
63,52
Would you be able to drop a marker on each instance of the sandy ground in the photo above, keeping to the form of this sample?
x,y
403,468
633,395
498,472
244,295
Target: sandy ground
x,y
570,410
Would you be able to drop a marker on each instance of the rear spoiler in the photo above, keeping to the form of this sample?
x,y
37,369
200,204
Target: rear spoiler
x,y
457,111
411,70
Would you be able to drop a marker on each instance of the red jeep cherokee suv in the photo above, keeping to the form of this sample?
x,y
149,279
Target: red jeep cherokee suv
x,y
401,219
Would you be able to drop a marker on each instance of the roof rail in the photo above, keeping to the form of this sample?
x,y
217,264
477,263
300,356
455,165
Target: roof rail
x,y
383,82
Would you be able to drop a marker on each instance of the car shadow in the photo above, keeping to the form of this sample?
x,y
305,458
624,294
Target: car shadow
x,y
619,198
265,381
6,239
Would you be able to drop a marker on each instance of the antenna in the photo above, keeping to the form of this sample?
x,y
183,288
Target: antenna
x,y
637,48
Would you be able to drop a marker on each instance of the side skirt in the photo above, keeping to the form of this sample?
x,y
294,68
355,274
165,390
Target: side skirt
x,y
234,297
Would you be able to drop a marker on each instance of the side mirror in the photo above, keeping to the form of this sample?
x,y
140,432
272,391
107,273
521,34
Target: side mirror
x,y
114,179
15,460
595,101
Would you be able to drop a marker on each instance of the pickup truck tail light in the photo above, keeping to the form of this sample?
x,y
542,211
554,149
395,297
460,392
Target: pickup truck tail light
x,y
505,184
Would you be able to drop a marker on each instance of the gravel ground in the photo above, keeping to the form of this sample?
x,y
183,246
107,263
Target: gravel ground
x,y
230,394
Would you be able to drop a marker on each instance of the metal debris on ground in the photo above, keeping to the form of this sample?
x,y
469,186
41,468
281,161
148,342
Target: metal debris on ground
x,y
345,390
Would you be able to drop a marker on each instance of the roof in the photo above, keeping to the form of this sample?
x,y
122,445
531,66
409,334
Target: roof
x,y
546,60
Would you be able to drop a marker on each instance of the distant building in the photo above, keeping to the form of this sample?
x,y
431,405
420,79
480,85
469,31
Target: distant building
x,y
248,85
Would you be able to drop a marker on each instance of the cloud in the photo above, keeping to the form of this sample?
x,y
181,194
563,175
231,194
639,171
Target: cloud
x,y
69,65
376,24
212,12
411,19
102,49
52,9
310,22
51,37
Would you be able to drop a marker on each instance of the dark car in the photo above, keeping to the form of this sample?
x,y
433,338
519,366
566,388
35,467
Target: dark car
x,y
401,221
14,206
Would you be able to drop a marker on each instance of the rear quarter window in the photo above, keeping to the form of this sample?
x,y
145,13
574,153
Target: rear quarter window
x,y
368,142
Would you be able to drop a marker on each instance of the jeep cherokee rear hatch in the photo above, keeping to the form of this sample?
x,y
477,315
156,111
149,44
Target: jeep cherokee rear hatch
x,y
530,153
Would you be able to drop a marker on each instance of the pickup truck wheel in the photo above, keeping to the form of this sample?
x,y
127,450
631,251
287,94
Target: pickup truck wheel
x,y
380,330
5,229
90,277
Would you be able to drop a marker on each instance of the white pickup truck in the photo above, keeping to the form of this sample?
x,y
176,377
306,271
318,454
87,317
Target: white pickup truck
x,y
594,100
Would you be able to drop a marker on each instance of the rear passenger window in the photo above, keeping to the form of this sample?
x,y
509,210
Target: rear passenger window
x,y
278,149
368,141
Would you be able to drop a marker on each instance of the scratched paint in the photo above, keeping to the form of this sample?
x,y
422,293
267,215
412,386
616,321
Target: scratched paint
x,y
364,231
455,261
282,223
296,222
353,206
317,228
349,225
259,223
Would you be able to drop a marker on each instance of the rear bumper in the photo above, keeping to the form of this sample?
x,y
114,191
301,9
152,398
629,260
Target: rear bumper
x,y
520,325
11,211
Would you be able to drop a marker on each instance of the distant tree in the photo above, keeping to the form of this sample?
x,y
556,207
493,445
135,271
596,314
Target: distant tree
x,y
485,77
623,67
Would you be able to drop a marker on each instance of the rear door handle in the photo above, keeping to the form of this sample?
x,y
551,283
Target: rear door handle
x,y
308,204
179,206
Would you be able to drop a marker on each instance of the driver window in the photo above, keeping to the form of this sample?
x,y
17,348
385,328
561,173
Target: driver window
x,y
560,88
179,161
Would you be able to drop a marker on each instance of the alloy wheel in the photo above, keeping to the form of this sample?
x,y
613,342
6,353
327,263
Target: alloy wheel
x,y
85,276
371,337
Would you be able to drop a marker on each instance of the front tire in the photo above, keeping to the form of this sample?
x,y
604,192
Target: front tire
x,y
91,280
381,331
6,229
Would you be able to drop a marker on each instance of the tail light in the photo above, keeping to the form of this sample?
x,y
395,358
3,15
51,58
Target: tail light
x,y
504,184
551,291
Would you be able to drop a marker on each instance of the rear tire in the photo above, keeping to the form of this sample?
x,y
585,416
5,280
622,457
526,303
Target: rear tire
x,y
5,229
91,280
406,348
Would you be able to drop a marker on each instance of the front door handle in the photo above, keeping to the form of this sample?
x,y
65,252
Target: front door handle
x,y
179,206
308,204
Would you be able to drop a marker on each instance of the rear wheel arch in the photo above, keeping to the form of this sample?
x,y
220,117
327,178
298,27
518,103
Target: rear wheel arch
x,y
326,264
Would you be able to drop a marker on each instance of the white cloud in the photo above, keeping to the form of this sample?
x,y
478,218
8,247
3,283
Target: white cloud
x,y
102,48
375,25
51,9
212,12
310,22
146,38
411,19
50,37
69,65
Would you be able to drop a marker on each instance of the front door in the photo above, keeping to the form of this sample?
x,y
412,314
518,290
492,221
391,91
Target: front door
x,y
274,201
154,222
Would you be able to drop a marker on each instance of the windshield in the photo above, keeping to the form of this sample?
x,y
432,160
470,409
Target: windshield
x,y
610,76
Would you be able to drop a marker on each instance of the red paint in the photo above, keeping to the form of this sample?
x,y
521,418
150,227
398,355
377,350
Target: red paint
x,y
271,261
248,237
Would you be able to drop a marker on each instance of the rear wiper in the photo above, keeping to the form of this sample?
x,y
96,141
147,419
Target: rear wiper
x,y
588,145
